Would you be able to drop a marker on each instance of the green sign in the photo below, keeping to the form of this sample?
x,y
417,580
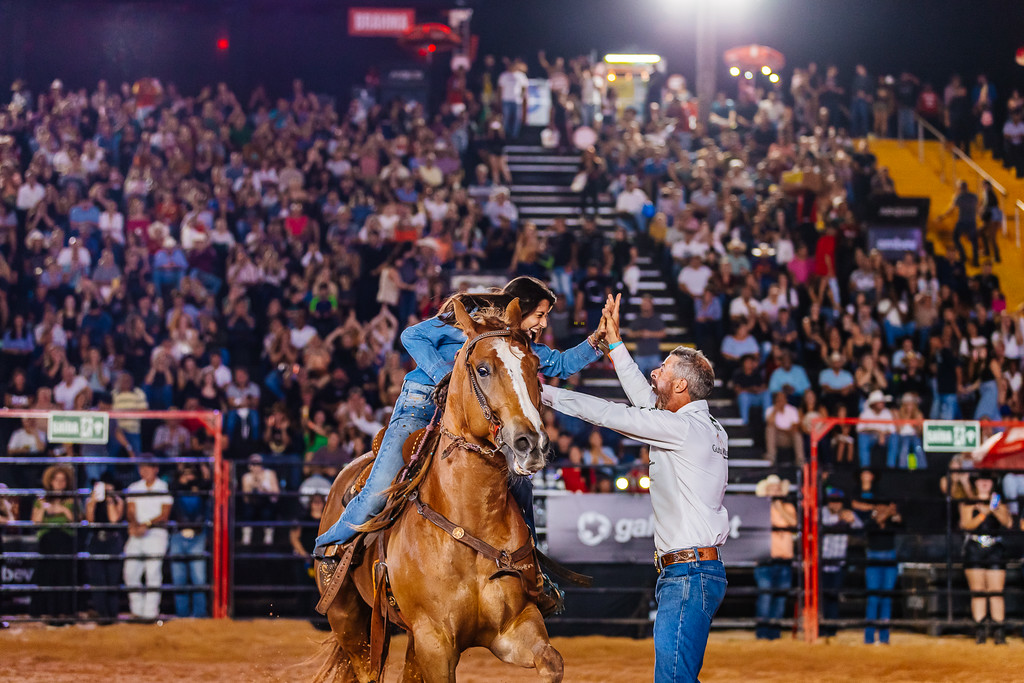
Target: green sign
x,y
78,427
951,436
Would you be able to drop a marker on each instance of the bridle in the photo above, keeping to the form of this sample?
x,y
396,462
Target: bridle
x,y
458,441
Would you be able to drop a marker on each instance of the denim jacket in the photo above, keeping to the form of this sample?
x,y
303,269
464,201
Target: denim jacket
x,y
433,344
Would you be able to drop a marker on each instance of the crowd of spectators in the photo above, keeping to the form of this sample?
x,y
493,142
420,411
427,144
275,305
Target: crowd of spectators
x,y
259,256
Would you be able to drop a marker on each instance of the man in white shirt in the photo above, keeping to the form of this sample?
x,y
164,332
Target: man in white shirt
x,y
783,429
689,469
513,85
147,541
871,434
630,205
30,193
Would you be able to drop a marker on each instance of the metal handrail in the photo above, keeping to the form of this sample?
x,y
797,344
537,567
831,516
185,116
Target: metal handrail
x,y
1017,209
956,153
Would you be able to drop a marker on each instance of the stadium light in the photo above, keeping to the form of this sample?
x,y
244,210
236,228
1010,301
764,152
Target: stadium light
x,y
734,71
774,78
766,70
611,78
645,482
631,59
622,483
748,75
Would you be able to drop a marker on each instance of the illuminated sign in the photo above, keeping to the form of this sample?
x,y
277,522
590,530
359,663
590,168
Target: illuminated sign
x,y
366,21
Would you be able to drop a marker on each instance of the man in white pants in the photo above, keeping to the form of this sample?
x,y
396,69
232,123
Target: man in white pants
x,y
148,508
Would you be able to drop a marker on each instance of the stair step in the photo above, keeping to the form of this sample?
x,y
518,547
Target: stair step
x,y
539,158
657,300
574,221
652,286
729,421
740,442
549,168
643,260
532,210
568,200
720,402
667,317
601,382
557,189
525,149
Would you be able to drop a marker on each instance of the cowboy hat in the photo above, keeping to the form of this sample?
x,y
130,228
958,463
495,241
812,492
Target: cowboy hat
x,y
875,396
762,486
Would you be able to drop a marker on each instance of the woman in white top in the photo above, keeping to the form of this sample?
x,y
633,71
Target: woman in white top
x,y
112,223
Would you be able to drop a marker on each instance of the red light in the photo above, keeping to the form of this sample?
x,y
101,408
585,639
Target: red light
x,y
222,44
431,48
423,53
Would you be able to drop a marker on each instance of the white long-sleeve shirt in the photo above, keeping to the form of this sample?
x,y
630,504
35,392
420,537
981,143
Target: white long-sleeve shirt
x,y
689,455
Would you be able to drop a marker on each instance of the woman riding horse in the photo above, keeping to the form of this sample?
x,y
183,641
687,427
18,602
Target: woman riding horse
x,y
462,572
433,344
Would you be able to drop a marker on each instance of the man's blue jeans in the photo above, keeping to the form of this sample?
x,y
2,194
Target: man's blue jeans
x,y
512,112
747,400
879,577
866,441
688,596
562,279
945,407
771,605
413,411
186,572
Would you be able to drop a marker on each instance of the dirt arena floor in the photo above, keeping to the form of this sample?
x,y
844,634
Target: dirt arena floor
x,y
278,650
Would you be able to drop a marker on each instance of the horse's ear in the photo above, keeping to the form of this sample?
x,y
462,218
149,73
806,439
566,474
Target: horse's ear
x,y
513,314
463,319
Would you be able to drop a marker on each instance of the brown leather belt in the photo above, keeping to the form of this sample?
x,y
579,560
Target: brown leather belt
x,y
686,555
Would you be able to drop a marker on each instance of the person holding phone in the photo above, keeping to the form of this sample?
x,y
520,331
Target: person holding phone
x,y
984,519
104,508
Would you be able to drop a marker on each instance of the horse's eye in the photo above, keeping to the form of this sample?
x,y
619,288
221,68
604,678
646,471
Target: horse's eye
x,y
483,370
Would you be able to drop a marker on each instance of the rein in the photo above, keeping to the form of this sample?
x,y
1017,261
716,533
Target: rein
x,y
458,441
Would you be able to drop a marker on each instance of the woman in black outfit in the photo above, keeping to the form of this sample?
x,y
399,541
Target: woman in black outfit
x,y
105,507
984,520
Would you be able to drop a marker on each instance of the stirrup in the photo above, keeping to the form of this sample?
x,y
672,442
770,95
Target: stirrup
x,y
551,600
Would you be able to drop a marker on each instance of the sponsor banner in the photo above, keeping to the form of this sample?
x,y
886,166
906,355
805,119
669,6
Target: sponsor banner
x,y
895,241
893,210
616,527
392,21
538,102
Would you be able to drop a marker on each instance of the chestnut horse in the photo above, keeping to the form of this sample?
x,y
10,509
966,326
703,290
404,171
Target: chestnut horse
x,y
450,595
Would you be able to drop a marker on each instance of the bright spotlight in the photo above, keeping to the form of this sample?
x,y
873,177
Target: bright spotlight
x,y
611,77
622,483
632,59
734,71
748,75
645,482
766,70
774,78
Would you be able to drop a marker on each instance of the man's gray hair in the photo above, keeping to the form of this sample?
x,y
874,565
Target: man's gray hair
x,y
695,368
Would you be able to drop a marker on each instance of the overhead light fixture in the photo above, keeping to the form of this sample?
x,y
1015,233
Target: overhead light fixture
x,y
632,59
734,71
774,78
611,77
748,75
645,482
622,483
766,70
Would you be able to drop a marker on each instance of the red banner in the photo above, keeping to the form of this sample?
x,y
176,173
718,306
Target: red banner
x,y
366,21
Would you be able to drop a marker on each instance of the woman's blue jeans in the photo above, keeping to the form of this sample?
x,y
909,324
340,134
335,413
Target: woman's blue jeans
x,y
413,411
688,595
879,577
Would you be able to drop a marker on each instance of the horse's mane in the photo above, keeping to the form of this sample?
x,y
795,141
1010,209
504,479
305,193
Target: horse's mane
x,y
489,319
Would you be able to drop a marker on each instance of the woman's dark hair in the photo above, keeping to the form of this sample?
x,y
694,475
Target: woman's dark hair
x,y
472,302
531,292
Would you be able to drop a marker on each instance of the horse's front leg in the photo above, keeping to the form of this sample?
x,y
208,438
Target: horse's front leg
x,y
432,656
524,642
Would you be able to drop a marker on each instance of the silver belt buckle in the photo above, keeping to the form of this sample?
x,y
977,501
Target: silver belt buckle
x,y
986,541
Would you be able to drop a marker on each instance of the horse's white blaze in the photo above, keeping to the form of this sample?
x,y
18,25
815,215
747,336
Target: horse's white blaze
x,y
511,360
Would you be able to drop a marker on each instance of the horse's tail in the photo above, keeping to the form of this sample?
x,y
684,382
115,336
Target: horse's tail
x,y
334,665
398,493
